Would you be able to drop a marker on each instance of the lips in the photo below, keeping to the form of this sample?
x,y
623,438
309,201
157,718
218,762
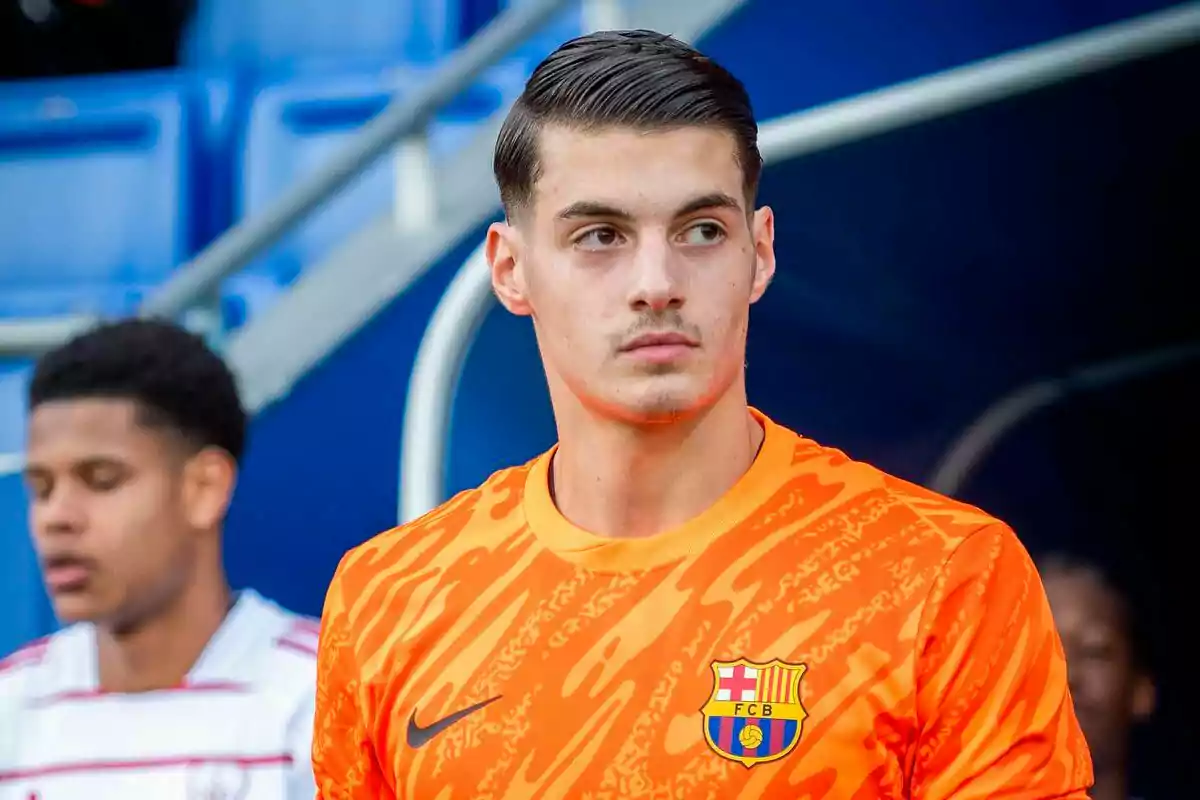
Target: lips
x,y
67,573
658,340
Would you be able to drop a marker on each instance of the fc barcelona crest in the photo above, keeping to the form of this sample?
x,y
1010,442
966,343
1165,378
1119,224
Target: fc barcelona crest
x,y
754,714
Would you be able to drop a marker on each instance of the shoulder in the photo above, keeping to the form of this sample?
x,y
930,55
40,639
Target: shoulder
x,y
954,518
920,532
17,672
944,561
294,645
290,638
965,542
896,501
975,571
18,686
288,643
892,505
476,518
393,574
37,667
25,658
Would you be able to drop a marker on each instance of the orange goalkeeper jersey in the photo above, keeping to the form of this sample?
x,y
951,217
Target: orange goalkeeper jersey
x,y
823,631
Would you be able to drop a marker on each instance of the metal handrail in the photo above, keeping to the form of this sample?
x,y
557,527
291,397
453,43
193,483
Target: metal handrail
x,y
977,441
196,281
982,82
22,337
460,312
405,117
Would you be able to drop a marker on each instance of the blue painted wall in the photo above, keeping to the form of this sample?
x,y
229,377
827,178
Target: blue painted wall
x,y
27,612
321,473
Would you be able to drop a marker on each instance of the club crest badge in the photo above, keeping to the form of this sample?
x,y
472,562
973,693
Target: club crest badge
x,y
754,714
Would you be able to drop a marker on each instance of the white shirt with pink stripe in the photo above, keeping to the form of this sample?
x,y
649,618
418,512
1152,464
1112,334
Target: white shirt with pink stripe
x,y
240,728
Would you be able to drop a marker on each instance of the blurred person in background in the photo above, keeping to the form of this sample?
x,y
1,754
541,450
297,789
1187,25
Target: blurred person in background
x,y
1112,682
163,682
681,598
44,38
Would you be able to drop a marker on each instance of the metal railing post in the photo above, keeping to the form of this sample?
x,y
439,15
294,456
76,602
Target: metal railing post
x,y
242,243
448,337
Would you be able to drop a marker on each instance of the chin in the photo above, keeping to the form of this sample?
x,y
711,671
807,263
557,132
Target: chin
x,y
643,399
73,608
665,415
660,408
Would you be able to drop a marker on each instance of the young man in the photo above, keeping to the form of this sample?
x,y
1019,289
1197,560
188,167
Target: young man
x,y
163,683
681,599
1111,680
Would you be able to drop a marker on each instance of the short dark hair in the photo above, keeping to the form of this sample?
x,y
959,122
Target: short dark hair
x,y
171,374
626,79
1126,585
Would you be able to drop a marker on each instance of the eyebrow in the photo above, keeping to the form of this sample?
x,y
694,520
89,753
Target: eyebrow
x,y
590,209
33,468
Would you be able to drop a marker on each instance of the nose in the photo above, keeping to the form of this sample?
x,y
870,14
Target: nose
x,y
658,281
58,513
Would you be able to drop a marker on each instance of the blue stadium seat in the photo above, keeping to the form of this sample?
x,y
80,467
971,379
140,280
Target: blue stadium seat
x,y
474,14
97,181
296,126
266,34
223,100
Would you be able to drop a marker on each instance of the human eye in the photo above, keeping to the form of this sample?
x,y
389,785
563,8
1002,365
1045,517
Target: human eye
x,y
598,238
103,477
703,234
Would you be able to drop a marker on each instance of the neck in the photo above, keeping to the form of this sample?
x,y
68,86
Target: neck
x,y
617,480
1110,785
159,652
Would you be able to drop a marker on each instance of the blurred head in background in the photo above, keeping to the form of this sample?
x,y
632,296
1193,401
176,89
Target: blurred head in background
x,y
628,170
135,432
1112,684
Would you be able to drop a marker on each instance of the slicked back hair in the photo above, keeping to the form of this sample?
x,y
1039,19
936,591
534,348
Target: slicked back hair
x,y
641,80
174,379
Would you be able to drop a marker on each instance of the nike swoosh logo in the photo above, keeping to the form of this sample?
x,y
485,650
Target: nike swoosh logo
x,y
419,736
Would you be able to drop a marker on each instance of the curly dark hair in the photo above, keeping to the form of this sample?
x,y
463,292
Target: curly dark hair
x,y
177,381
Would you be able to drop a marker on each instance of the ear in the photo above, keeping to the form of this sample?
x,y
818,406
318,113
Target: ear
x,y
208,480
503,251
1145,697
762,228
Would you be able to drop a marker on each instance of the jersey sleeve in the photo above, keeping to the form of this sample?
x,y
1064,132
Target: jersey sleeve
x,y
994,711
343,755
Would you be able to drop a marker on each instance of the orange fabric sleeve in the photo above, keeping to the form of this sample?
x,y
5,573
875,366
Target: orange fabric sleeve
x,y
343,755
995,713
